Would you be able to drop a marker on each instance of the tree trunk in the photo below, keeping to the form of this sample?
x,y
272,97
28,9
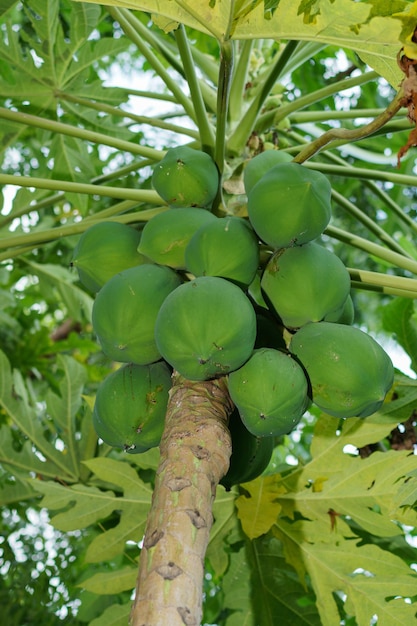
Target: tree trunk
x,y
195,455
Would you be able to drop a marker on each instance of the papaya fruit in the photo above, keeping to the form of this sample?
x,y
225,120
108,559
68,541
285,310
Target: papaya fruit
x,y
186,178
206,328
344,315
166,235
290,205
260,164
305,283
226,247
250,455
130,406
125,310
270,392
350,373
103,250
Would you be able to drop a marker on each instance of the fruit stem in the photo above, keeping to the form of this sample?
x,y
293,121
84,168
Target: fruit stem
x,y
139,195
348,135
28,241
81,133
223,93
393,258
242,132
239,79
386,283
155,122
195,455
133,28
203,124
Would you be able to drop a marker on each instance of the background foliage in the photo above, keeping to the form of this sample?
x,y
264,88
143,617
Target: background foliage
x,y
90,98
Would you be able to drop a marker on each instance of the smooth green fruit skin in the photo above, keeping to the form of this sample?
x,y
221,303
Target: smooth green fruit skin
x,y
290,205
206,328
270,392
344,315
186,178
227,248
103,250
250,455
130,406
260,164
305,283
349,372
166,236
125,310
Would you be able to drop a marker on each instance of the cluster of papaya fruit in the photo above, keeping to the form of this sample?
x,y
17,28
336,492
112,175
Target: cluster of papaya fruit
x,y
182,294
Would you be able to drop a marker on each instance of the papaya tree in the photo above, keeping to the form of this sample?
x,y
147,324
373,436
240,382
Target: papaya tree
x,y
208,273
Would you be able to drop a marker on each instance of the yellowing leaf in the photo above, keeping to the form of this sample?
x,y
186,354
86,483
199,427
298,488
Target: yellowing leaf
x,y
259,509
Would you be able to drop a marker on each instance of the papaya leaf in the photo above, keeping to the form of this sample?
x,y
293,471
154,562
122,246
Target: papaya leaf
x,y
25,460
108,583
13,489
258,508
375,582
236,587
81,506
114,615
224,527
61,280
277,594
370,31
399,317
14,401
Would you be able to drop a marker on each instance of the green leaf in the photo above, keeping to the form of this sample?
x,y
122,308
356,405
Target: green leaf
x,y
277,594
108,583
370,577
14,490
15,402
399,317
259,507
115,615
78,303
224,526
236,587
344,23
85,505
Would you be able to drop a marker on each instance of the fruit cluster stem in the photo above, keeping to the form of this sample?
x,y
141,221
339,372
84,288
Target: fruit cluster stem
x,y
195,455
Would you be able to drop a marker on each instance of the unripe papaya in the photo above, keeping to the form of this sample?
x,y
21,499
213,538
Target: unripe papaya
x,y
290,205
349,372
260,164
344,315
125,310
206,328
130,406
166,235
103,250
305,283
227,247
270,392
186,178
250,454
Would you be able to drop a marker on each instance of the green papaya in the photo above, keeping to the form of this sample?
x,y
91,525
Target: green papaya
x,y
166,235
290,205
260,164
350,373
226,247
344,315
305,283
206,328
125,310
130,406
250,455
186,178
103,250
270,392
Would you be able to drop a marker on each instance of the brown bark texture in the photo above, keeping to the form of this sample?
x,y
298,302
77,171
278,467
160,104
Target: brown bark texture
x,y
195,455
